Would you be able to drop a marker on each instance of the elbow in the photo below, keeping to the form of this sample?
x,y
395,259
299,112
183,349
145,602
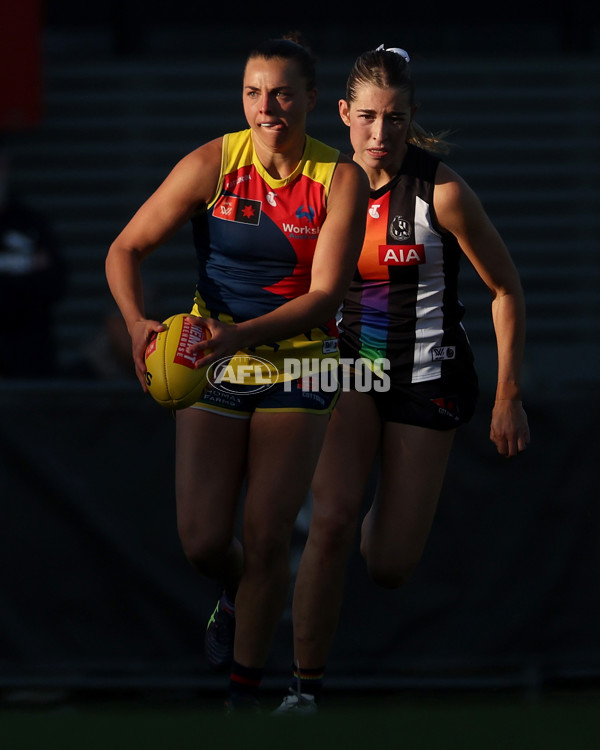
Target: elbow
x,y
111,260
120,253
511,293
334,306
329,303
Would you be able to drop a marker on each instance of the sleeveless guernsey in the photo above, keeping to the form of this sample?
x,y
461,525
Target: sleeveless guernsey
x,y
256,240
403,302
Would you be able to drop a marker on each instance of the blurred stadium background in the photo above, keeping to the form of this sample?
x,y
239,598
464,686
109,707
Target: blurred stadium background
x,y
98,103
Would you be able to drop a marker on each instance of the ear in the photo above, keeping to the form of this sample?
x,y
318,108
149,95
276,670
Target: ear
x,y
344,108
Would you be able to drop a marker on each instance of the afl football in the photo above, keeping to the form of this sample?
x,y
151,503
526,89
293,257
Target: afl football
x,y
172,376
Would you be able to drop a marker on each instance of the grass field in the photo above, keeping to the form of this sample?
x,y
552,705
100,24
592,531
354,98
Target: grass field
x,y
370,722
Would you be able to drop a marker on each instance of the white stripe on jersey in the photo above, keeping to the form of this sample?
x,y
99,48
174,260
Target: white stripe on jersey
x,y
430,297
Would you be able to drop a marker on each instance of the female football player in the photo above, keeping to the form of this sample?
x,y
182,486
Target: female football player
x,y
401,318
278,222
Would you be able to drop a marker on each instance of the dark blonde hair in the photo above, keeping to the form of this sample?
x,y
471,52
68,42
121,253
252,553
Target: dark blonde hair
x,y
386,69
290,46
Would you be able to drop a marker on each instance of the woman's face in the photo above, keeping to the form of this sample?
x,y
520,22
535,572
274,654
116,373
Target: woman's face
x,y
276,103
379,120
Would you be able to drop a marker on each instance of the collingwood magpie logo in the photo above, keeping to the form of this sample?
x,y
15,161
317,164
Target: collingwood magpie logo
x,y
400,229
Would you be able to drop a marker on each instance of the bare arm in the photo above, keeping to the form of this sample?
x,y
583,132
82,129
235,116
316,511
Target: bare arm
x,y
459,211
189,186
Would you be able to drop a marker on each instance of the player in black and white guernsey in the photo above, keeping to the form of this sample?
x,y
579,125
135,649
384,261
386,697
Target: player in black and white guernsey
x,y
401,324
403,303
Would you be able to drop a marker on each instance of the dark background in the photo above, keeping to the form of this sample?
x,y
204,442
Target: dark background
x,y
103,100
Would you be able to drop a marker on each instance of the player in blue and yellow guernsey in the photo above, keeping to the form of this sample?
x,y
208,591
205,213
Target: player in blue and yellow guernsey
x,y
255,245
401,319
278,221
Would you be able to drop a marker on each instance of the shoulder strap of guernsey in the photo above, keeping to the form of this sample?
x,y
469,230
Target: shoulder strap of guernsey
x,y
320,162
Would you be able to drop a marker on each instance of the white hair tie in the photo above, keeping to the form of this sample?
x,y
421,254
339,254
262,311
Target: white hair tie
x,y
397,50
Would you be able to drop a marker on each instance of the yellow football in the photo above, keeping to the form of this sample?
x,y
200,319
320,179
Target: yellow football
x,y
172,377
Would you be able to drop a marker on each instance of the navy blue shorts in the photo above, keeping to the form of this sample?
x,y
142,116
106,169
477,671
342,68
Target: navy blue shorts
x,y
242,401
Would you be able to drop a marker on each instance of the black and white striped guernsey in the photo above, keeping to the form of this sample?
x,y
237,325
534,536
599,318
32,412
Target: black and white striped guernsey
x,y
403,302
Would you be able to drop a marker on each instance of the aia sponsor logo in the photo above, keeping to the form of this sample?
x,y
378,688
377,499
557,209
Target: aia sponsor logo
x,y
240,210
401,255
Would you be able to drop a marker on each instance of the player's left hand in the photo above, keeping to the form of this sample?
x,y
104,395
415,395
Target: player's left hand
x,y
224,340
509,430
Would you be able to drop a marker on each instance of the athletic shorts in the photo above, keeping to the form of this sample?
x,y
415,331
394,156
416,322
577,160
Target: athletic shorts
x,y
435,404
241,401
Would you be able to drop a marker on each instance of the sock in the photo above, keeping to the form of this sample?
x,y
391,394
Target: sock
x,y
311,681
244,683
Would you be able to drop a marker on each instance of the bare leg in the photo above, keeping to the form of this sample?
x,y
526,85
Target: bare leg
x,y
210,465
283,452
338,488
396,528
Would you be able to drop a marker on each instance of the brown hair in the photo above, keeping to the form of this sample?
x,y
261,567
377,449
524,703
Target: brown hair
x,y
386,69
290,46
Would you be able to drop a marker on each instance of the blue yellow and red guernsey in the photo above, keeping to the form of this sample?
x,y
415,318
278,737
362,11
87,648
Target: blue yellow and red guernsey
x,y
256,241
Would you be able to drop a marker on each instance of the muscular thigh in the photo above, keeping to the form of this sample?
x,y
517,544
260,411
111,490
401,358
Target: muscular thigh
x,y
413,466
210,465
283,449
348,454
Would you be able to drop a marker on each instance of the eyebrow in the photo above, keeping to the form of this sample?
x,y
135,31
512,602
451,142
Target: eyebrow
x,y
284,87
367,111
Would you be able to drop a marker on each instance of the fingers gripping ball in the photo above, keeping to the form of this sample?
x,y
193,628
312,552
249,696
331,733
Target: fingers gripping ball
x,y
172,377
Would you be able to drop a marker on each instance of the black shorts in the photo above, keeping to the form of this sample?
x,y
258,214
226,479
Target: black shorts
x,y
435,404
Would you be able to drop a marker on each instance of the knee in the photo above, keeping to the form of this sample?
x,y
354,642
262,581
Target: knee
x,y
390,574
203,548
333,523
266,551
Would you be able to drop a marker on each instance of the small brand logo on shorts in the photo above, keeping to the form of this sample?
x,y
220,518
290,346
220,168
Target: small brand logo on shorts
x,y
330,346
447,406
443,352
